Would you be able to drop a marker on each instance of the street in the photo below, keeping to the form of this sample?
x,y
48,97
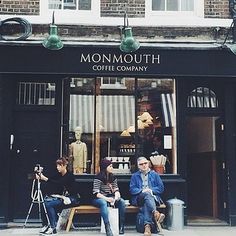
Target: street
x,y
187,231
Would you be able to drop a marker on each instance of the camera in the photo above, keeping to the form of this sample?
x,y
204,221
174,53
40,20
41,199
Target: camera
x,y
38,169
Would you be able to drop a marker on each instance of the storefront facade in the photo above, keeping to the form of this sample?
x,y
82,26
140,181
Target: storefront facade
x,y
187,89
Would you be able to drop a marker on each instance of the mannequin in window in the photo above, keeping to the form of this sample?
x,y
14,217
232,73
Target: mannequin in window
x,y
78,153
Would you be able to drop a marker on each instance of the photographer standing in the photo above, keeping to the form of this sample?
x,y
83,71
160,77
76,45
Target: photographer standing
x,y
68,194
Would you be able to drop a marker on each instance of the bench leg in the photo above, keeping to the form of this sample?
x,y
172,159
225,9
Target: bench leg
x,y
69,223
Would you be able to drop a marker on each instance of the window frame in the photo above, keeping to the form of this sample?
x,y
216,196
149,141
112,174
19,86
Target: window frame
x,y
198,11
63,16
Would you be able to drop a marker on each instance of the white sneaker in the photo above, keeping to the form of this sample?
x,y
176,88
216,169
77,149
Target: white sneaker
x,y
50,231
44,229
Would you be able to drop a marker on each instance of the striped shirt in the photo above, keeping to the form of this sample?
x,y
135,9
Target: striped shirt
x,y
106,189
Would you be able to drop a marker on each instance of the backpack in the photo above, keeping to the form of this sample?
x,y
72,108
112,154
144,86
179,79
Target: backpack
x,y
140,224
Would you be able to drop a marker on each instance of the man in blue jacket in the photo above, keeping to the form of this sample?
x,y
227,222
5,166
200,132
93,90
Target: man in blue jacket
x,y
146,187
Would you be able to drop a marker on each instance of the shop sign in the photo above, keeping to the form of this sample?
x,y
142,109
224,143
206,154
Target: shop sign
x,y
111,62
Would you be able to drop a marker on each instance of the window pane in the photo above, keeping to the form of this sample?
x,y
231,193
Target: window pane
x,y
187,5
172,5
32,93
116,107
156,123
82,102
70,4
158,5
84,4
54,4
202,97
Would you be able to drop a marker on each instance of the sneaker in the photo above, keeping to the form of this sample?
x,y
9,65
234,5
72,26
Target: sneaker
x,y
44,229
50,231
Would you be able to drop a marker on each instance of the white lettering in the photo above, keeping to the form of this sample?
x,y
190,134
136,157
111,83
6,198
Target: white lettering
x,y
155,58
83,59
121,59
94,57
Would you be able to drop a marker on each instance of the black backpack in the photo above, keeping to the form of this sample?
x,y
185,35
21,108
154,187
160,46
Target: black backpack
x,y
140,224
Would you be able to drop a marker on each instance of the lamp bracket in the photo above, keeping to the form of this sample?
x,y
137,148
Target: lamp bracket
x,y
126,21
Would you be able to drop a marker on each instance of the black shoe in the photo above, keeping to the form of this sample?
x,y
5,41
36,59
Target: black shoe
x,y
121,230
108,229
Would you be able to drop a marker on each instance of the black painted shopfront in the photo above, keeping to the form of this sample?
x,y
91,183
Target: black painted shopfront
x,y
190,86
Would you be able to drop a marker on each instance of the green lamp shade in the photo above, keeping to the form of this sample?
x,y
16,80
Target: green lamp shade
x,y
232,48
129,43
53,41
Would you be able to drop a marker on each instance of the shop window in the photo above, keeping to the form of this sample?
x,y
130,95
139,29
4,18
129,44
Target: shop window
x,y
156,123
202,97
111,113
32,93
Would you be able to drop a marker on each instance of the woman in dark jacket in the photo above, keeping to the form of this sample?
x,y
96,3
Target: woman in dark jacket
x,y
106,193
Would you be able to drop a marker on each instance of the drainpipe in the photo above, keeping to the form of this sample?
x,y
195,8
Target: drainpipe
x,y
232,9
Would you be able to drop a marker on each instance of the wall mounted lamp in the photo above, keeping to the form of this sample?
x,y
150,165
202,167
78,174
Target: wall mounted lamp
x,y
128,42
53,41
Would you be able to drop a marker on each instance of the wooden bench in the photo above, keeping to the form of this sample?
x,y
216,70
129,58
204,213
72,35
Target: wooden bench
x,y
89,209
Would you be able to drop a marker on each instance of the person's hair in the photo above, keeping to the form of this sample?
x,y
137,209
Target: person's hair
x,y
141,158
62,161
106,177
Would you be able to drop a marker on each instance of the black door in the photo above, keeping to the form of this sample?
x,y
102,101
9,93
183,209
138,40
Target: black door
x,y
36,141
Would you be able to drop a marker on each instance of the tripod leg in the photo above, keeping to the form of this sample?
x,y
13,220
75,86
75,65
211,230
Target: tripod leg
x,y
44,208
31,205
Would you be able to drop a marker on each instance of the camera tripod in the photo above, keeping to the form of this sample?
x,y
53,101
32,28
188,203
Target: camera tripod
x,y
37,197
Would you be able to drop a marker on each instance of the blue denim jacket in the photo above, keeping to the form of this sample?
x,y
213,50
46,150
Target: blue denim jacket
x,y
154,182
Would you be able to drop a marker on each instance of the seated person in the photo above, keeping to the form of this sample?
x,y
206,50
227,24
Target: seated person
x,y
145,188
106,193
65,181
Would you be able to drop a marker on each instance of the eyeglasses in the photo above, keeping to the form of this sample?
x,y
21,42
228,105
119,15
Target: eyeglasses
x,y
144,163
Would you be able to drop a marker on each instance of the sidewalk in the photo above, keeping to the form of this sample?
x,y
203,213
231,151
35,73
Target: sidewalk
x,y
187,231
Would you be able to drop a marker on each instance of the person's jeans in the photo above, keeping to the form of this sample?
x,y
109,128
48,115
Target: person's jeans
x,y
147,202
53,206
103,204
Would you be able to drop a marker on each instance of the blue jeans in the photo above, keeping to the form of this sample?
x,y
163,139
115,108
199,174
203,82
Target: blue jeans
x,y
148,204
103,204
53,206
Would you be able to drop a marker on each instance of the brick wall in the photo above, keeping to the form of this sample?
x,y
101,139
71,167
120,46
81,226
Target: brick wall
x,y
217,9
20,7
116,8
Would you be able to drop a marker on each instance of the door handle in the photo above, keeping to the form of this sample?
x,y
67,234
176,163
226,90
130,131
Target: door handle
x,y
11,141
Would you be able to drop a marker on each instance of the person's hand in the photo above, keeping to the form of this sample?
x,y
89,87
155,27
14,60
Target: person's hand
x,y
147,190
41,176
111,200
117,195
